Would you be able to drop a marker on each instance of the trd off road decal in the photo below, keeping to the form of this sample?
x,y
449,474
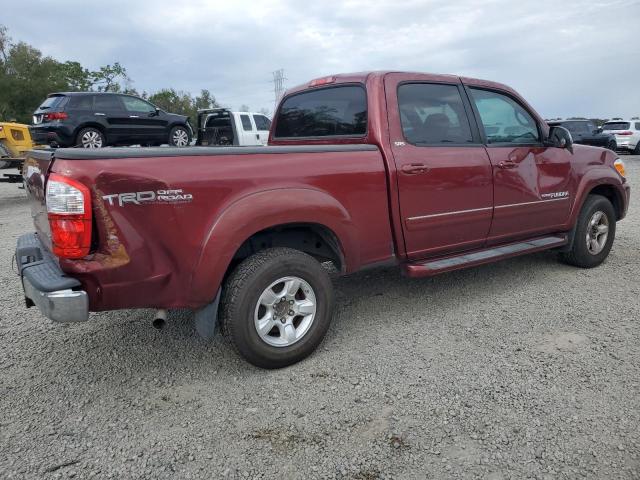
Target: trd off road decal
x,y
149,197
553,195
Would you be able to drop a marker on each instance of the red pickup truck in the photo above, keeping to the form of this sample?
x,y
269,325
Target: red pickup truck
x,y
429,172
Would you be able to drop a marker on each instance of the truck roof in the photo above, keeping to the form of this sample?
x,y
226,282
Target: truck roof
x,y
362,77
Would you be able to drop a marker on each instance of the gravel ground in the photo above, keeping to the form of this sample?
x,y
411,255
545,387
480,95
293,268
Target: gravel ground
x,y
523,369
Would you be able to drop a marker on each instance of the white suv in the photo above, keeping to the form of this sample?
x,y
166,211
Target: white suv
x,y
627,134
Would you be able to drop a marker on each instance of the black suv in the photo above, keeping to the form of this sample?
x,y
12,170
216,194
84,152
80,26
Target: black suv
x,y
94,120
586,133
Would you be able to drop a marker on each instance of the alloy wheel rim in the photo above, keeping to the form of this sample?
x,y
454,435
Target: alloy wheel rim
x,y
597,232
91,139
180,138
285,311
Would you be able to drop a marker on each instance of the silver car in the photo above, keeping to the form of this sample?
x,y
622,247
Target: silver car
x,y
627,134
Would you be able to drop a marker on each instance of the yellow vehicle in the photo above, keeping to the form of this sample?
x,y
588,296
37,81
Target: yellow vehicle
x,y
15,141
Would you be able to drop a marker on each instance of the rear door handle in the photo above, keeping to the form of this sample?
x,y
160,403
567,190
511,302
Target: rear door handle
x,y
134,116
414,168
507,164
99,114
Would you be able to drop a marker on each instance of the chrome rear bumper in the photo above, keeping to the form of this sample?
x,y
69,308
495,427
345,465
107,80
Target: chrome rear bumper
x,y
46,286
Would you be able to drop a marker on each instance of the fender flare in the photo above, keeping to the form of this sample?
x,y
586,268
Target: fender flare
x,y
596,177
258,211
592,179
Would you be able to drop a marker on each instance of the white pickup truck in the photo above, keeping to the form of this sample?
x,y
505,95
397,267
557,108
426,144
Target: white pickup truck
x,y
221,126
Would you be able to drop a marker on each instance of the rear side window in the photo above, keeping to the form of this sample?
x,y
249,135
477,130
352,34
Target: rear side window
x,y
504,120
637,125
262,122
334,111
246,123
616,126
81,102
52,102
107,102
433,114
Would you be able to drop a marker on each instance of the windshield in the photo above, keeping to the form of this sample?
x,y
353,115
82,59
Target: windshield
x,y
616,126
52,102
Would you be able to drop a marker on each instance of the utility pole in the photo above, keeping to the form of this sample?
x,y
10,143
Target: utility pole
x,y
278,86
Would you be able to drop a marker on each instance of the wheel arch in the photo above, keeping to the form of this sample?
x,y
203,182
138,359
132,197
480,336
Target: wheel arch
x,y
309,220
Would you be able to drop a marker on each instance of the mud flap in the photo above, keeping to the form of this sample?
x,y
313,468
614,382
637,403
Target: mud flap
x,y
206,319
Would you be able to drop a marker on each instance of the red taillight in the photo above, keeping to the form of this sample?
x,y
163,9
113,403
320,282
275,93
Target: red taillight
x,y
322,81
69,211
56,116
624,133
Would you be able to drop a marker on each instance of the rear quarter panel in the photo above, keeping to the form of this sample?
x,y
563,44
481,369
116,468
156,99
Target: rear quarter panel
x,y
175,254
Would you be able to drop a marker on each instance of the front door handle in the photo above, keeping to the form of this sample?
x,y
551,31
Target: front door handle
x,y
507,164
99,114
414,168
134,116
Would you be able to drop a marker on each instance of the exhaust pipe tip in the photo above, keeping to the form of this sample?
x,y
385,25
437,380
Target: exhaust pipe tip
x,y
159,323
159,319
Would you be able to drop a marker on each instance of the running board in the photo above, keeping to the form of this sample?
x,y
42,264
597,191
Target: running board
x,y
427,268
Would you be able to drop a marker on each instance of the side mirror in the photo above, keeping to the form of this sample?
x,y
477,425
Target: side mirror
x,y
155,113
599,130
560,137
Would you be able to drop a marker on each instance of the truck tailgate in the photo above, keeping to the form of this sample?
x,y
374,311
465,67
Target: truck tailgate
x,y
35,170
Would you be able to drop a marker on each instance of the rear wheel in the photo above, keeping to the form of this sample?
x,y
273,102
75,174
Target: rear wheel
x,y
90,138
276,307
4,153
179,137
594,235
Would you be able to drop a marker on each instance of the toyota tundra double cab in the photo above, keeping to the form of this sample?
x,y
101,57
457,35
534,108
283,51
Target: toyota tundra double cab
x,y
431,173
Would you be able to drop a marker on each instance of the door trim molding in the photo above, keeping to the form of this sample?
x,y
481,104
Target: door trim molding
x,y
458,212
532,203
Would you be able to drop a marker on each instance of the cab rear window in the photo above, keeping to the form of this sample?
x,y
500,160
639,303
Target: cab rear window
x,y
327,112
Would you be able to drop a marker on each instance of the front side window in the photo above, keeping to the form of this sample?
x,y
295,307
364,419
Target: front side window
x,y
262,122
504,120
246,123
637,125
326,112
107,102
133,104
433,114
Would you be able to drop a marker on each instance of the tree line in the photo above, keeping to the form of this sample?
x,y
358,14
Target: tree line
x,y
27,77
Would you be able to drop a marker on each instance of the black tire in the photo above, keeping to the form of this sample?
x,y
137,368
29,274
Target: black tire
x,y
636,151
580,255
241,294
90,137
179,136
4,153
612,145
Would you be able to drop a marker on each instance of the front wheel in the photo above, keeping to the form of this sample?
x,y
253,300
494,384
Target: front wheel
x,y
179,137
594,235
276,307
612,145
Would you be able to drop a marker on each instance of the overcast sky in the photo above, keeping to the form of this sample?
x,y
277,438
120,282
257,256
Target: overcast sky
x,y
566,57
